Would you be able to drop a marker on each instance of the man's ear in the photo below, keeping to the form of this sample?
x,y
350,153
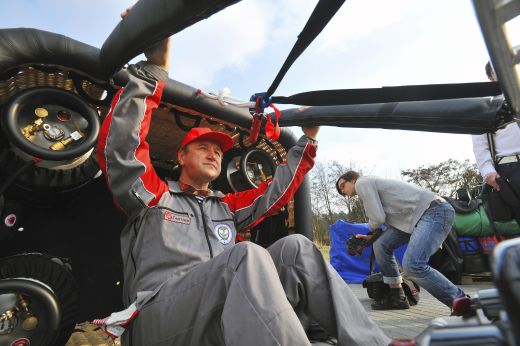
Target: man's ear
x,y
180,157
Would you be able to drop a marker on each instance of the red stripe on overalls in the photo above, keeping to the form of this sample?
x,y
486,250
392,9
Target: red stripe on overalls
x,y
151,181
103,139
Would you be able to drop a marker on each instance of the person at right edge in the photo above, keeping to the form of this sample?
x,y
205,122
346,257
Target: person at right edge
x,y
413,215
506,163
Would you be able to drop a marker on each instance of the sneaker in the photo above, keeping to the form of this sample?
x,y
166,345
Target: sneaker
x,y
391,302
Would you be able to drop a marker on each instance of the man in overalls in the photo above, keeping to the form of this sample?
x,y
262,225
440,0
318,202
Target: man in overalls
x,y
186,282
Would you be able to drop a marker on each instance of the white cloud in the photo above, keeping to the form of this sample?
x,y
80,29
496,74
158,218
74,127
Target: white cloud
x,y
228,39
387,152
358,19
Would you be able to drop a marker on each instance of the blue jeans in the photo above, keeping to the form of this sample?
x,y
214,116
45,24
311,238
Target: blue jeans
x,y
427,236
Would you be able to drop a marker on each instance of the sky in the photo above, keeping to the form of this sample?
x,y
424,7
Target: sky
x,y
368,44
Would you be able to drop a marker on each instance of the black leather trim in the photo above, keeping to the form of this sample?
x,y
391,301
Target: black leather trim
x,y
466,116
149,22
22,46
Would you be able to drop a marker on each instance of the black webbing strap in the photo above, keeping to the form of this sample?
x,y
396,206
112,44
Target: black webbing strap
x,y
372,261
492,150
487,207
322,14
391,94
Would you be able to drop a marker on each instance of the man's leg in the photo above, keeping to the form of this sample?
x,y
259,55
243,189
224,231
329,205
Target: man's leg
x,y
384,248
428,235
234,299
313,287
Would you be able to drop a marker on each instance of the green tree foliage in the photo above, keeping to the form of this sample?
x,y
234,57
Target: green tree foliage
x,y
328,206
446,177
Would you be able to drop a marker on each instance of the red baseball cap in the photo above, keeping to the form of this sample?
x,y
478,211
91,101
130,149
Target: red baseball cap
x,y
225,141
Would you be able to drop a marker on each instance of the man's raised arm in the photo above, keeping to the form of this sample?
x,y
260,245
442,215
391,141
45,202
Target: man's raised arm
x,y
251,206
122,151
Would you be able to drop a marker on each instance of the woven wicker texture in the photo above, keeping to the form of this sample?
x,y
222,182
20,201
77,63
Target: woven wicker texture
x,y
87,334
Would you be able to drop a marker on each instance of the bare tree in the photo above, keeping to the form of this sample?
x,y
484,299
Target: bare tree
x,y
321,199
327,205
354,206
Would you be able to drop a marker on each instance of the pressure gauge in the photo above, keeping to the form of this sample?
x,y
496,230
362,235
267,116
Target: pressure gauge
x,y
53,132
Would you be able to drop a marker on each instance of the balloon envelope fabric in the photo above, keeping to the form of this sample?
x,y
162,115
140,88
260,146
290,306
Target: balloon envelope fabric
x,y
353,269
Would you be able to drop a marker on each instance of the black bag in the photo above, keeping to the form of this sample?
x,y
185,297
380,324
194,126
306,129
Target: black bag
x,y
377,289
411,290
448,260
375,286
497,207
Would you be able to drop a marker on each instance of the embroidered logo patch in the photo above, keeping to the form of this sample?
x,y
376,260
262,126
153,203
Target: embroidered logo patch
x,y
10,220
21,342
223,233
177,217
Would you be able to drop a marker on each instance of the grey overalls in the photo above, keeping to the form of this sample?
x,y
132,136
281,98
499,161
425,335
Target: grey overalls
x,y
190,282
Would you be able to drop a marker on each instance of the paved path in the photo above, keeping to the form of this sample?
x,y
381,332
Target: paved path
x,y
407,324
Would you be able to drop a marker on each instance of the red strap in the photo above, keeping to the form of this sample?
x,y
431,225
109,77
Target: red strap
x,y
255,128
269,127
273,132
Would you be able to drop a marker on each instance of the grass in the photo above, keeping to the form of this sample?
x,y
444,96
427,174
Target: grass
x,y
325,251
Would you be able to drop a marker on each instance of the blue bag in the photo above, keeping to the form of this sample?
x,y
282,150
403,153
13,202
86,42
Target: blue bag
x,y
353,269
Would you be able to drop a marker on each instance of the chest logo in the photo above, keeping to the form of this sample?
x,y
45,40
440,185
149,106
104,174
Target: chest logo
x,y
177,217
223,233
10,220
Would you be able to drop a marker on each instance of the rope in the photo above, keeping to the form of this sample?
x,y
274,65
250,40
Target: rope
x,y
224,99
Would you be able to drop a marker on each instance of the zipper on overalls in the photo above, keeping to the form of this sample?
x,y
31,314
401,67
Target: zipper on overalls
x,y
201,200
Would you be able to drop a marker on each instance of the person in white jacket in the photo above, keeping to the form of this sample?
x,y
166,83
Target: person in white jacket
x,y
507,154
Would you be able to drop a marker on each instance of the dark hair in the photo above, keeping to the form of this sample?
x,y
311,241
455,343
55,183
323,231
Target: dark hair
x,y
347,177
489,70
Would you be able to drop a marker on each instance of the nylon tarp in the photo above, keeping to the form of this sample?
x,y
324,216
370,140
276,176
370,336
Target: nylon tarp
x,y
476,224
353,269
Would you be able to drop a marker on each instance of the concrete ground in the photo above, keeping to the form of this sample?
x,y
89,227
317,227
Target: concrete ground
x,y
406,324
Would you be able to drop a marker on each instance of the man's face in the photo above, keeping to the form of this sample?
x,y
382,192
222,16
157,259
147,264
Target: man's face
x,y
201,160
347,187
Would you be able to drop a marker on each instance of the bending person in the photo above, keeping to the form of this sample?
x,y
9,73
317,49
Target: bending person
x,y
412,215
185,281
